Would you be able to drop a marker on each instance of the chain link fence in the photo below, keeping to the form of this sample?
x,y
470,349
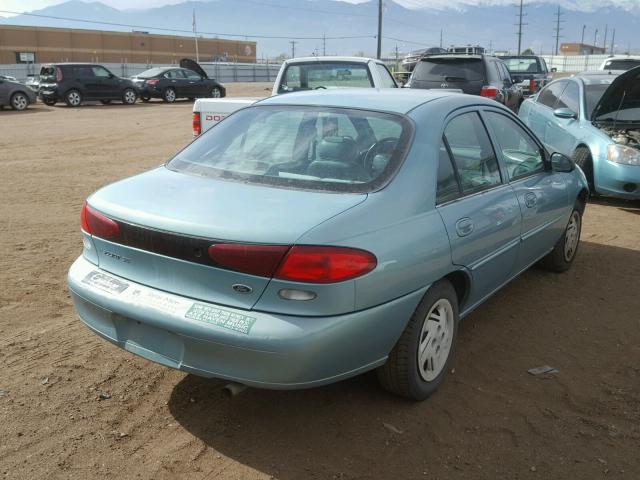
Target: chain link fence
x,y
574,63
223,72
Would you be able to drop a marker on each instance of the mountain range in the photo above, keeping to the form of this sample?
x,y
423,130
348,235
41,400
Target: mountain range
x,y
351,28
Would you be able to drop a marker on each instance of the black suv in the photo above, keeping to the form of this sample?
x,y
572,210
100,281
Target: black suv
x,y
529,71
76,82
483,75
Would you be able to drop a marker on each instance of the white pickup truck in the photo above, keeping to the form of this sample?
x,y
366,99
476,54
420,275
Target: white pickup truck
x,y
296,74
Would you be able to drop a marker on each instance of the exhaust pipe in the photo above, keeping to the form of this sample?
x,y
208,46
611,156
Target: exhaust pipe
x,y
233,389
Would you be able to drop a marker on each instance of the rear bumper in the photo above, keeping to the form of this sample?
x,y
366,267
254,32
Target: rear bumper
x,y
618,180
254,348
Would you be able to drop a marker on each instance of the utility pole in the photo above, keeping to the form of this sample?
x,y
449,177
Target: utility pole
x,y
293,48
595,37
582,39
558,16
604,43
379,29
613,39
195,35
521,14
397,63
324,44
440,38
490,46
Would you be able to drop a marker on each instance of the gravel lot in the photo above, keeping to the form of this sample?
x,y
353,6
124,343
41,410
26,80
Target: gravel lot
x,y
490,420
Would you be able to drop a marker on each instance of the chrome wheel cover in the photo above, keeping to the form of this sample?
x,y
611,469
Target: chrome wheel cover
x,y
74,98
572,237
20,102
436,339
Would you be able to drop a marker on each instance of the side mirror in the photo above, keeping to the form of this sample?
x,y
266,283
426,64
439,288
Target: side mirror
x,y
562,163
565,113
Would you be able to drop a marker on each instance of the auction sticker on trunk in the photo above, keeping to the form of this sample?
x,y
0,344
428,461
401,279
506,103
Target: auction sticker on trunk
x,y
105,282
221,318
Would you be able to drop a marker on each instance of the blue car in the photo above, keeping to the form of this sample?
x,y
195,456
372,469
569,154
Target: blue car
x,y
318,235
594,118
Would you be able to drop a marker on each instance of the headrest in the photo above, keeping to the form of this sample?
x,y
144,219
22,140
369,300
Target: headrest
x,y
341,149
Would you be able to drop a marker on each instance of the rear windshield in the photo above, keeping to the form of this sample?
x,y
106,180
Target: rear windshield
x,y
449,69
522,65
621,64
319,75
48,71
152,72
312,148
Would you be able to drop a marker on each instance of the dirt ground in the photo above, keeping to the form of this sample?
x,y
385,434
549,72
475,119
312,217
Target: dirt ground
x,y
491,420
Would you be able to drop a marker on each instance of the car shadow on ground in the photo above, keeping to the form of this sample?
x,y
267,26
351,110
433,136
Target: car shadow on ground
x,y
31,109
632,206
354,429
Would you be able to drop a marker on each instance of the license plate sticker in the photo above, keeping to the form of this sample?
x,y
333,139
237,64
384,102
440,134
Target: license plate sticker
x,y
221,318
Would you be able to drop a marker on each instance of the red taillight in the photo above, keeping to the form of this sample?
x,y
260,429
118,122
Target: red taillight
x,y
97,224
532,85
197,129
59,76
153,81
325,264
489,92
261,260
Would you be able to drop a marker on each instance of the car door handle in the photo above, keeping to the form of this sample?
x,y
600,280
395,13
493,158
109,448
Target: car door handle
x,y
464,227
530,199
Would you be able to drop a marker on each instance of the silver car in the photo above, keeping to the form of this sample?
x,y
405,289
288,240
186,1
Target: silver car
x,y
15,94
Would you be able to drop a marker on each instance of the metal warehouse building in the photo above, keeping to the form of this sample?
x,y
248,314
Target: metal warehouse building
x,y
43,45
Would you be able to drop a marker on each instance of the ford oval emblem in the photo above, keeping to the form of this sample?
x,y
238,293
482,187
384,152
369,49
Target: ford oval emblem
x,y
238,287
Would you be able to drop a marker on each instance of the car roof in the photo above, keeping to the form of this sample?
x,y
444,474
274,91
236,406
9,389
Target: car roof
x,y
599,76
393,100
623,57
475,56
330,59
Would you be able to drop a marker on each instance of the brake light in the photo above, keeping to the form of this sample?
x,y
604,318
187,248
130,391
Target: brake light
x,y
59,75
197,128
489,92
260,260
532,85
153,81
94,223
325,264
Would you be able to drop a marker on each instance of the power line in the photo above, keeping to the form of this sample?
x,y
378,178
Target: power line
x,y
558,15
178,30
521,14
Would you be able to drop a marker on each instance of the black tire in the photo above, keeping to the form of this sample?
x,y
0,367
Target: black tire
x,y
402,374
563,254
49,103
105,102
19,101
169,95
145,98
73,98
129,96
216,92
582,158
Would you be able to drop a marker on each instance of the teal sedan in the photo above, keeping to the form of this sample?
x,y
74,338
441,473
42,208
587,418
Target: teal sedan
x,y
317,235
593,117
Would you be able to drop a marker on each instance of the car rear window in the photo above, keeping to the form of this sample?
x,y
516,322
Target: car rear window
x,y
621,64
319,75
522,65
301,147
436,69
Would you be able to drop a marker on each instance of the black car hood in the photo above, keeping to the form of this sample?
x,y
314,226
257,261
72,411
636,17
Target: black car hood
x,y
193,65
623,94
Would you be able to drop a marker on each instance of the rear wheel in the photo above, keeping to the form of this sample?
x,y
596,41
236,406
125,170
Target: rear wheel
x,y
145,98
19,101
129,96
73,98
169,95
582,158
564,252
420,359
216,92
50,103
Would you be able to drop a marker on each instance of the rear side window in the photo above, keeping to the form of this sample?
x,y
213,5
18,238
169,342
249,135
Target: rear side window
x,y
570,98
385,77
82,72
472,152
301,147
436,69
100,72
174,74
549,96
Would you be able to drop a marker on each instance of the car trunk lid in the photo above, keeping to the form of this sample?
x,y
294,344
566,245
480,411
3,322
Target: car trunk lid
x,y
169,219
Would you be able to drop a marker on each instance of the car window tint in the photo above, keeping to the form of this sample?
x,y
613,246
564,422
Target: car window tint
x,y
319,75
472,153
447,187
521,154
549,95
101,72
82,72
385,77
570,98
191,75
497,71
505,72
174,74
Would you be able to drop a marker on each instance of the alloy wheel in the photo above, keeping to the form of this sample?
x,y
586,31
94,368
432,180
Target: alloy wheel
x,y
19,102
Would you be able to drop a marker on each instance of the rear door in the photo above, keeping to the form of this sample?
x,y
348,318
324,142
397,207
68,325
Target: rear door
x,y
178,81
464,73
483,218
541,111
542,194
